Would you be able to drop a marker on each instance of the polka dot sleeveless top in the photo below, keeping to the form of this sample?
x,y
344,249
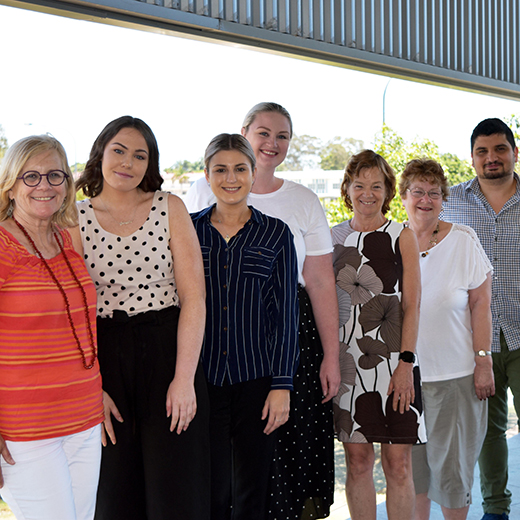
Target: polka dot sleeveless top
x,y
134,273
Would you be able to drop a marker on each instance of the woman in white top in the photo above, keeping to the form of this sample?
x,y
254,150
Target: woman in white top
x,y
453,344
143,255
303,470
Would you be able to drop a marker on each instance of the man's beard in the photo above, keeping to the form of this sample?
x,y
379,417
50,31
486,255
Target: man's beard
x,y
499,173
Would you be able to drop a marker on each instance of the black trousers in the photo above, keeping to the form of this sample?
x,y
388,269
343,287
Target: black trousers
x,y
241,453
150,473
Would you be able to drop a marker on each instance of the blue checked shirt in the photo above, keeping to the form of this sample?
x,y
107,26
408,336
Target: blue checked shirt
x,y
251,301
500,237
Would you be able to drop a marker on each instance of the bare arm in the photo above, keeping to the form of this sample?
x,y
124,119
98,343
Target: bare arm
x,y
479,306
5,453
181,401
402,379
320,284
77,244
109,407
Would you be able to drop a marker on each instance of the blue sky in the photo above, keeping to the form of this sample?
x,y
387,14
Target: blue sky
x,y
71,77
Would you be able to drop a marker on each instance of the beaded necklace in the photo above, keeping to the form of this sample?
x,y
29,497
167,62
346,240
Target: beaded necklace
x,y
433,241
62,291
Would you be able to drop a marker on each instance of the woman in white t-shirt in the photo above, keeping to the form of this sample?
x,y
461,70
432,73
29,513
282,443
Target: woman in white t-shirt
x,y
302,476
453,345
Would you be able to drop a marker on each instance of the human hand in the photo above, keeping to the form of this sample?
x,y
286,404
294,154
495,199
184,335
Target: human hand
x,y
5,453
484,378
181,404
276,407
110,409
401,384
330,377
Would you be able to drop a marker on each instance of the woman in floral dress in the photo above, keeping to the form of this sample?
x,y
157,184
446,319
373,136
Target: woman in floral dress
x,y
376,263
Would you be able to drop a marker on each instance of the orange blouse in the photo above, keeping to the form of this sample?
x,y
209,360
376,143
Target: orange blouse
x,y
45,391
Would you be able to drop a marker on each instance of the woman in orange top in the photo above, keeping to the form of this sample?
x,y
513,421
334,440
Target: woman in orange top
x,y
50,387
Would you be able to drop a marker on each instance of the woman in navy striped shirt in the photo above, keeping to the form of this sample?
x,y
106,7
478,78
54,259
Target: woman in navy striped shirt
x,y
250,350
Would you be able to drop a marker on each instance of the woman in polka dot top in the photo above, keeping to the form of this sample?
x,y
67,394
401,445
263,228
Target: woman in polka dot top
x,y
143,255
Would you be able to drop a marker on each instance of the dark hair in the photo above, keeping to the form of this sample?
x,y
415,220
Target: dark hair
x,y
224,142
91,180
426,170
361,161
492,126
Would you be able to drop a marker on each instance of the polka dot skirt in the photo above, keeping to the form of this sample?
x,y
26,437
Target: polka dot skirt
x,y
302,475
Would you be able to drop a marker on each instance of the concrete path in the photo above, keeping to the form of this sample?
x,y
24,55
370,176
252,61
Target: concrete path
x,y
340,509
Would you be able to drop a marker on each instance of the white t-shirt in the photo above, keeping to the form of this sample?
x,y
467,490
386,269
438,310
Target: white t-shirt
x,y
293,203
454,266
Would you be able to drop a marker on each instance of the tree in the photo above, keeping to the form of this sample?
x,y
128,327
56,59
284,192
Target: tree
x,y
398,152
303,152
4,145
181,168
513,122
77,168
334,155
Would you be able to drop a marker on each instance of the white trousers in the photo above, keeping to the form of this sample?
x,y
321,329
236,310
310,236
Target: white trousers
x,y
54,479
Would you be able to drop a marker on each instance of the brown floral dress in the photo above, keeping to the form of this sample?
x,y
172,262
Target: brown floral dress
x,y
368,271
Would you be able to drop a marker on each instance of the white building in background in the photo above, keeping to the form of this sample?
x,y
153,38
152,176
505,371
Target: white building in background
x,y
325,183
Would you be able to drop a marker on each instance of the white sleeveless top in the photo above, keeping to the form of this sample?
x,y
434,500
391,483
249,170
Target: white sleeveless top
x,y
134,273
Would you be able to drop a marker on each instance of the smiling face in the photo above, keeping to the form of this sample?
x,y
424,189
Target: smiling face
x,y
125,160
43,201
424,209
269,135
367,192
230,176
493,157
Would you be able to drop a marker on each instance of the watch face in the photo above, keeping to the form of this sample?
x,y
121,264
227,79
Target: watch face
x,y
407,357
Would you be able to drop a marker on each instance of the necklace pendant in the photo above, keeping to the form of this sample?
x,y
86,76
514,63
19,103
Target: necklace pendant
x,y
227,238
125,223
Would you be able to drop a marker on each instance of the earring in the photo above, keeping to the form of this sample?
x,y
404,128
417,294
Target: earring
x,y
10,209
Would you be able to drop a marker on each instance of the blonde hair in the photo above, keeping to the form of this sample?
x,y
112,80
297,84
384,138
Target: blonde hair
x,y
266,107
12,165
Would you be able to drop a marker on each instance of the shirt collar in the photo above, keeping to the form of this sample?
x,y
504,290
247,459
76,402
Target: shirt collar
x,y
256,216
474,185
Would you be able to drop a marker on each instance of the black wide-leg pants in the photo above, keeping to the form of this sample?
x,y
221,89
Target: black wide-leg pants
x,y
150,473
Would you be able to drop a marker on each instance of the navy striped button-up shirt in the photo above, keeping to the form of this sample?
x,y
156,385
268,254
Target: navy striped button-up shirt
x,y
499,234
251,301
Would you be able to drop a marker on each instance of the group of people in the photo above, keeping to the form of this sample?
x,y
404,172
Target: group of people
x,y
202,351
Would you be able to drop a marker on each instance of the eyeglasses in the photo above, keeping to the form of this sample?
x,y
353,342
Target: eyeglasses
x,y
33,178
419,193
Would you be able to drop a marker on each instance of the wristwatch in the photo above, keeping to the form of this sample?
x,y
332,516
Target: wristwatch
x,y
407,356
483,353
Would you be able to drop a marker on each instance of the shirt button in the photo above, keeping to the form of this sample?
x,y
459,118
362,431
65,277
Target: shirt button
x,y
225,328
224,353
224,286
225,267
225,308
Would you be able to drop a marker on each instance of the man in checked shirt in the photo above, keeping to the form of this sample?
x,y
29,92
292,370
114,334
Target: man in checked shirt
x,y
490,204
